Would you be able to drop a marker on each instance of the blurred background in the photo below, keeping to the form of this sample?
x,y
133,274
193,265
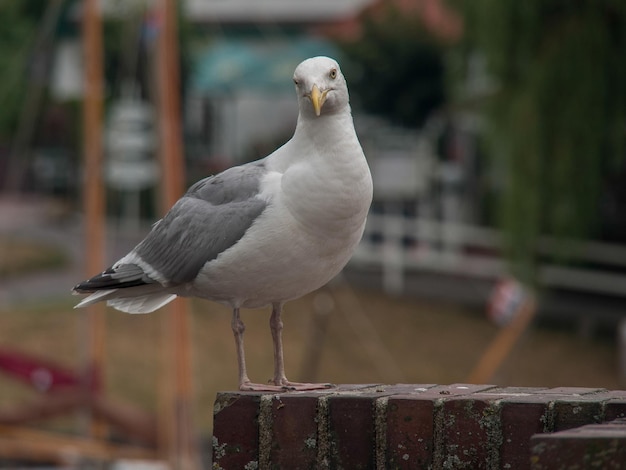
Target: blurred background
x,y
495,250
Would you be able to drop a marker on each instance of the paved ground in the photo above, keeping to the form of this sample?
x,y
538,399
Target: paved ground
x,y
37,219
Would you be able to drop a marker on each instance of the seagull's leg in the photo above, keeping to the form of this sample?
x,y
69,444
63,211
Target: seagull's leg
x,y
276,325
238,330
244,382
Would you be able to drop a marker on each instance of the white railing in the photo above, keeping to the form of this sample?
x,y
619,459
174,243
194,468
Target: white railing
x,y
400,245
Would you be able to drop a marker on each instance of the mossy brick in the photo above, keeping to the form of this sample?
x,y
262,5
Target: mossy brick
x,y
352,423
596,446
521,416
572,412
471,433
355,388
615,405
410,431
352,431
453,390
411,422
573,391
402,389
402,425
236,430
513,391
294,431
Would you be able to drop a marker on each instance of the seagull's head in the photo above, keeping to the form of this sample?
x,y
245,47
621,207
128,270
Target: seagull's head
x,y
321,87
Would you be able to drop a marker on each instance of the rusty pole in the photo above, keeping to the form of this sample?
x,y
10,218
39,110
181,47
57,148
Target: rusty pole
x,y
93,192
177,436
502,345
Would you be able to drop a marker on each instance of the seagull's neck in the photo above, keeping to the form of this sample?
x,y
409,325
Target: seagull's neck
x,y
325,183
329,148
331,131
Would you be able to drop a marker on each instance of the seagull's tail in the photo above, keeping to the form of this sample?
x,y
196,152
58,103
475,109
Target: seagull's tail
x,y
125,287
141,304
132,304
97,296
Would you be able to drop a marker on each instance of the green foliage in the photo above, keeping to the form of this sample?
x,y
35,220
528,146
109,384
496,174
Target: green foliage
x,y
558,118
396,69
127,51
18,23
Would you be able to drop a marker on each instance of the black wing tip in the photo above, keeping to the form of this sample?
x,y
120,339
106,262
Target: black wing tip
x,y
104,281
89,285
81,288
93,283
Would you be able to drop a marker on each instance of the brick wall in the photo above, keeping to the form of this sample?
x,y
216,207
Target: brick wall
x,y
409,426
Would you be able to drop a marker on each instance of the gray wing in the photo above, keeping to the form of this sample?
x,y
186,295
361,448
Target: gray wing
x,y
211,217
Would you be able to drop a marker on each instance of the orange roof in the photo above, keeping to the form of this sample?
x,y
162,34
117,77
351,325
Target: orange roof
x,y
440,20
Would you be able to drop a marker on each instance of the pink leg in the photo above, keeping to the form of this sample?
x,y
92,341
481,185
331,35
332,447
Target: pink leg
x,y
280,382
244,382
276,325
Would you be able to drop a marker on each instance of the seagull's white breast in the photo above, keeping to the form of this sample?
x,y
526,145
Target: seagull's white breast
x,y
315,218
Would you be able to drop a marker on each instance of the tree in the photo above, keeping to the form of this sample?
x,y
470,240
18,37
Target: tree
x,y
396,68
18,24
557,121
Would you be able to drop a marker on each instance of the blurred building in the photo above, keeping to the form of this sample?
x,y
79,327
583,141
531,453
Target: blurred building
x,y
240,102
428,232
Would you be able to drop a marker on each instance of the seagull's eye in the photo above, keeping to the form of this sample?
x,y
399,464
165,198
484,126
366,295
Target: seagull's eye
x,y
333,73
296,82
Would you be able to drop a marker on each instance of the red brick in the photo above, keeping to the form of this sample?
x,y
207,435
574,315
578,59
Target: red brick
x,y
294,431
395,389
447,391
403,426
615,408
572,406
295,436
521,416
572,412
513,391
235,430
410,432
410,423
352,423
357,388
352,431
592,446
471,434
571,391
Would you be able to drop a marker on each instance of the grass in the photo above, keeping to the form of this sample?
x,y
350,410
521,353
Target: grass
x,y
19,256
369,338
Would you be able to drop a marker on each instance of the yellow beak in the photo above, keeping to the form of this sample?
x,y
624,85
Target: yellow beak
x,y
317,99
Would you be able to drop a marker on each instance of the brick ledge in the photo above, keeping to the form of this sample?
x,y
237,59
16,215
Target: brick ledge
x,y
400,426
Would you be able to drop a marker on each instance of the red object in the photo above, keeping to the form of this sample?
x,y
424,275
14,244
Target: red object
x,y
506,300
43,375
64,391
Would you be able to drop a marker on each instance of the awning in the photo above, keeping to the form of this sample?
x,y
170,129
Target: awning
x,y
235,65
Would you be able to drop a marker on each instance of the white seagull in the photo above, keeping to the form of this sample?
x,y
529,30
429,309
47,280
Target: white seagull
x,y
261,233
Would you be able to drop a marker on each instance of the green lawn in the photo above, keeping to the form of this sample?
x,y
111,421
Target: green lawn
x,y
370,338
18,256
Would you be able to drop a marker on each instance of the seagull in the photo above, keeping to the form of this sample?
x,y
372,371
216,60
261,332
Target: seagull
x,y
262,233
